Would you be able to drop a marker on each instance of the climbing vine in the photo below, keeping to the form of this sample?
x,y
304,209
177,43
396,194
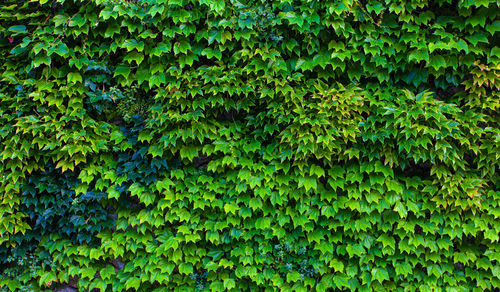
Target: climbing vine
x,y
212,145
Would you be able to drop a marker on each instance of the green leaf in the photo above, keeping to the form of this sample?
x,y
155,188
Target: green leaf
x,y
419,55
479,37
156,150
216,286
303,64
403,268
293,277
17,29
217,5
136,189
132,44
122,70
41,60
340,281
355,250
186,268
292,18
337,265
62,49
133,282
317,170
107,272
77,20
380,274
182,47
161,49
324,246
112,28
387,241
88,272
60,19
229,283
47,278
263,223
171,244
210,53
308,183
462,45
134,56
74,77
189,152
400,208
437,62
395,186
495,52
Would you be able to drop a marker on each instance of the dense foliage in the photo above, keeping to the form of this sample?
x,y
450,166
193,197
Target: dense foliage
x,y
250,145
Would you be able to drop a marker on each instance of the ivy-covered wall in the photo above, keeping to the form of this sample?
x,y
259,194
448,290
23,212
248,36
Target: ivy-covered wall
x,y
182,145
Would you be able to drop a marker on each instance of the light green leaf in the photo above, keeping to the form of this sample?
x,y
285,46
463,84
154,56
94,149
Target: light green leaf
x,y
134,56
186,268
380,274
133,282
293,277
229,283
74,77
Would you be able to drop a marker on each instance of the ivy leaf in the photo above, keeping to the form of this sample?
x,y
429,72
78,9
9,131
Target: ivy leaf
x,y
182,47
216,286
17,29
132,44
355,250
210,53
122,70
231,208
60,19
495,52
380,274
77,20
186,268
133,282
303,64
218,6
189,152
317,170
229,283
136,189
337,265
437,62
88,272
62,49
293,277
308,183
112,28
134,56
400,208
293,18
479,37
74,77
419,55
160,49
47,279
340,281
171,244
403,268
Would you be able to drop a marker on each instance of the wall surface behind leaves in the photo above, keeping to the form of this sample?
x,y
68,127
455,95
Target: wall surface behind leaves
x,y
215,145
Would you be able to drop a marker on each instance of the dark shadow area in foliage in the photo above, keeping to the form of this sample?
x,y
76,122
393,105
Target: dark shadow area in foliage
x,y
52,207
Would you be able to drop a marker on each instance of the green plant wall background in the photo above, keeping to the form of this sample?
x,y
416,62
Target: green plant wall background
x,y
214,145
